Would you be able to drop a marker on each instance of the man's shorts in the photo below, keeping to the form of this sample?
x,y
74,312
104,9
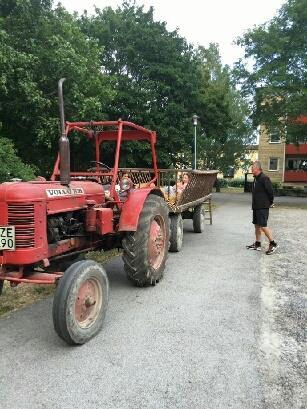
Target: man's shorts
x,y
260,217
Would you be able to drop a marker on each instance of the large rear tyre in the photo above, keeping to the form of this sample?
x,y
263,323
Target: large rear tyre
x,y
145,251
176,235
80,302
199,219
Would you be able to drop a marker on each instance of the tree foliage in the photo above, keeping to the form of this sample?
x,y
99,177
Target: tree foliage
x,y
226,130
154,73
39,45
274,71
119,63
11,166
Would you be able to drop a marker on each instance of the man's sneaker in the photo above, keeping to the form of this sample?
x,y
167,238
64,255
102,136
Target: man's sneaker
x,y
254,246
272,248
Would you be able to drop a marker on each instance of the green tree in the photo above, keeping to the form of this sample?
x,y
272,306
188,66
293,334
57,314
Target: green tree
x,y
118,64
39,45
11,166
274,71
154,73
224,126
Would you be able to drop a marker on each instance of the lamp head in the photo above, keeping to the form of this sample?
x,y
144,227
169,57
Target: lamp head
x,y
195,118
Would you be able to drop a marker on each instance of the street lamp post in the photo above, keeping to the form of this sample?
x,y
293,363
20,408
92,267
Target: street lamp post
x,y
194,118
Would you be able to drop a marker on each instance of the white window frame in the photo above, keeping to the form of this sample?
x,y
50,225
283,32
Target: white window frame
x,y
270,136
270,141
273,170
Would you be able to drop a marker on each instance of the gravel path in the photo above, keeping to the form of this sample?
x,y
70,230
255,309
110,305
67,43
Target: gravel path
x,y
283,305
283,312
224,329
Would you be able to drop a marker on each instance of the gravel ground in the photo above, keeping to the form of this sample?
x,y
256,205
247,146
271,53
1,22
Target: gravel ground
x,y
224,329
283,338
283,304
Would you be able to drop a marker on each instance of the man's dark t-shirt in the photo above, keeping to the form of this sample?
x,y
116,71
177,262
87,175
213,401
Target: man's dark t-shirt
x,y
262,192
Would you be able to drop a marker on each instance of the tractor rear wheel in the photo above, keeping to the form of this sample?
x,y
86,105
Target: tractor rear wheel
x,y
199,219
80,302
176,234
145,250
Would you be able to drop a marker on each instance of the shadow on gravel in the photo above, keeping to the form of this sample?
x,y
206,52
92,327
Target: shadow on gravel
x,y
116,274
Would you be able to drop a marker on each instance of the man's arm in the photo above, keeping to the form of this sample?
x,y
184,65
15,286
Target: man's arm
x,y
269,189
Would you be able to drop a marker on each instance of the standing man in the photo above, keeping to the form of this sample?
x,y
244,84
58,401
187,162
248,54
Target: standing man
x,y
263,199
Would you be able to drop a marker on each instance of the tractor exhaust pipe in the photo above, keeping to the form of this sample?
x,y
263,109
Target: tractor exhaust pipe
x,y
63,141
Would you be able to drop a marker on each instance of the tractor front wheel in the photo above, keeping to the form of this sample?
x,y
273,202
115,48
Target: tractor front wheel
x,y
145,251
80,302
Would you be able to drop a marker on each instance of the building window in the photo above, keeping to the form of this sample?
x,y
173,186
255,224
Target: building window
x,y
275,136
273,164
296,164
290,164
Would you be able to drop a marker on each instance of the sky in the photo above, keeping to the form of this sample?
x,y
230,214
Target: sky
x,y
201,21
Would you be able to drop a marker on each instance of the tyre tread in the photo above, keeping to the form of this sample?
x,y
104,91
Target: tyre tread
x,y
135,245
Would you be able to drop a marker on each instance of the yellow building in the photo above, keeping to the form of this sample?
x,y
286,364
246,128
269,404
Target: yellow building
x,y
272,154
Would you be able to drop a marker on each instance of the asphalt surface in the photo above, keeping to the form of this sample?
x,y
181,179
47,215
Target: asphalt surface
x,y
193,341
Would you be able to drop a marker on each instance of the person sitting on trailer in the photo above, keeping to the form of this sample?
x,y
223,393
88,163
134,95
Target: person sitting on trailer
x,y
181,185
174,190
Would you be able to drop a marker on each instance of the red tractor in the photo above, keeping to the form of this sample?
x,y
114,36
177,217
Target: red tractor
x,y
47,226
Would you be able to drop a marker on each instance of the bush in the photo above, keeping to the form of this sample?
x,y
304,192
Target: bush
x,y
222,183
11,166
236,182
276,186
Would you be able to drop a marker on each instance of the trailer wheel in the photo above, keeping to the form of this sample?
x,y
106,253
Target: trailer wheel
x,y
176,234
80,302
145,251
199,219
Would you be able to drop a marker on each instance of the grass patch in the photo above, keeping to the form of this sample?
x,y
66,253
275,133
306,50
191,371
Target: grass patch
x,y
14,298
103,256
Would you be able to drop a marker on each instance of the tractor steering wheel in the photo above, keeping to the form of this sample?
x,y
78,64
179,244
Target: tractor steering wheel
x,y
104,166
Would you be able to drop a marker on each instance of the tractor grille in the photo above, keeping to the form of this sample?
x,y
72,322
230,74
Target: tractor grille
x,y
21,216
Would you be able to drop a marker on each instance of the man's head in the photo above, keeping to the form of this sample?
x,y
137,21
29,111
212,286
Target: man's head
x,y
256,168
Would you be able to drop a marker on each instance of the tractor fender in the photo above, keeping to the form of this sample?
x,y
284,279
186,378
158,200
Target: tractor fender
x,y
133,206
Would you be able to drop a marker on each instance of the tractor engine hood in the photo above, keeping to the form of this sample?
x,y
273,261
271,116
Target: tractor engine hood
x,y
58,198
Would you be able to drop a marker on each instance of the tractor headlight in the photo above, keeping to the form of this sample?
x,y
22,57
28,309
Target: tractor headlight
x,y
125,184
